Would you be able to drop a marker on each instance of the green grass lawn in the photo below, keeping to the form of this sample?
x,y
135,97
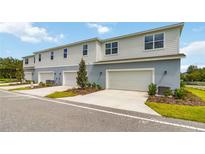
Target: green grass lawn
x,y
4,85
198,92
7,80
22,88
61,94
194,113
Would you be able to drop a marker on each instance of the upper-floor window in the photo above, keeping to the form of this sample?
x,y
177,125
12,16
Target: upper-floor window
x,y
154,41
39,57
26,61
52,55
65,53
34,59
85,50
111,48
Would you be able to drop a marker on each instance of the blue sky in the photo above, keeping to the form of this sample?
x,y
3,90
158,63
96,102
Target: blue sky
x,y
21,39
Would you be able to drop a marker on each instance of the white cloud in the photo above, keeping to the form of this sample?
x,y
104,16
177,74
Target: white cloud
x,y
28,33
195,52
196,48
198,29
100,28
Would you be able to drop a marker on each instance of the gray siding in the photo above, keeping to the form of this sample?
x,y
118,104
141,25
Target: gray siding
x,y
97,73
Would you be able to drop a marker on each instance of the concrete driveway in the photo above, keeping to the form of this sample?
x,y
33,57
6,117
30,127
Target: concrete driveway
x,y
119,99
44,91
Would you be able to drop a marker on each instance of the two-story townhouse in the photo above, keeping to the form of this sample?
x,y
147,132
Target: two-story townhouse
x,y
129,62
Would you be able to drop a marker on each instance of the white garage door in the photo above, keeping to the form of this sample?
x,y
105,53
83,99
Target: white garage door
x,y
43,76
129,79
28,75
69,79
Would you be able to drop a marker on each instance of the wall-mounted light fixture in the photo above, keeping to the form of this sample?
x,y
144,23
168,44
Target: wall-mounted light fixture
x,y
165,72
100,73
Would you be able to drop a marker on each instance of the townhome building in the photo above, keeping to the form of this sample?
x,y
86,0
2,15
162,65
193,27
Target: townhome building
x,y
128,62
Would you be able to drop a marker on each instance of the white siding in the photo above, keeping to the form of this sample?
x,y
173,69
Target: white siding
x,y
74,56
133,47
128,47
30,62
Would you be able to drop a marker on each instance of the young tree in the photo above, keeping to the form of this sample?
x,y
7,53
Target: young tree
x,y
82,78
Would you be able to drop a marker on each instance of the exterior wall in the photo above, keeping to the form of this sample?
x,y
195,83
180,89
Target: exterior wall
x,y
99,51
30,62
75,53
97,73
133,47
31,71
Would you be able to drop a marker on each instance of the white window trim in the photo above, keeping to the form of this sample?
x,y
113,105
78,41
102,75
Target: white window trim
x,y
135,69
154,49
63,53
87,50
51,55
39,58
26,59
111,48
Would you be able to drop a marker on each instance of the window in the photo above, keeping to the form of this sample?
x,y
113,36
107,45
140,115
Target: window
x,y
85,50
52,55
65,53
159,41
148,42
26,61
111,48
34,60
154,41
39,57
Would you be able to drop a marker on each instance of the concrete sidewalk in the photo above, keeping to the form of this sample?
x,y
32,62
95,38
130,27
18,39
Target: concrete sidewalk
x,y
44,91
13,87
118,99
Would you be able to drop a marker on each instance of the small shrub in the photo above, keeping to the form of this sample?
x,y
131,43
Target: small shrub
x,y
41,84
182,84
94,85
99,87
89,85
168,92
152,89
179,93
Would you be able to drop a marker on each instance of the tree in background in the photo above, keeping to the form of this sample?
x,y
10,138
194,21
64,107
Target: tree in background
x,y
11,68
194,74
191,68
82,78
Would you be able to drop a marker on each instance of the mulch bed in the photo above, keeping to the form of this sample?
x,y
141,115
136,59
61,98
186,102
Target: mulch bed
x,y
81,91
189,99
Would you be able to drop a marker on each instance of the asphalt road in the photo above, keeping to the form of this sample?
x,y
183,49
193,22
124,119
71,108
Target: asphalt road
x,y
35,114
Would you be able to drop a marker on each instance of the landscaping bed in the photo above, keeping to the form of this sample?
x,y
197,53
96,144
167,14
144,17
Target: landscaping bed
x,y
41,85
183,103
73,92
189,99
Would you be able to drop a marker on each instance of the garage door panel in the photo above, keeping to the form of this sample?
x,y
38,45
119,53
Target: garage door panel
x,y
129,80
70,79
28,75
45,76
